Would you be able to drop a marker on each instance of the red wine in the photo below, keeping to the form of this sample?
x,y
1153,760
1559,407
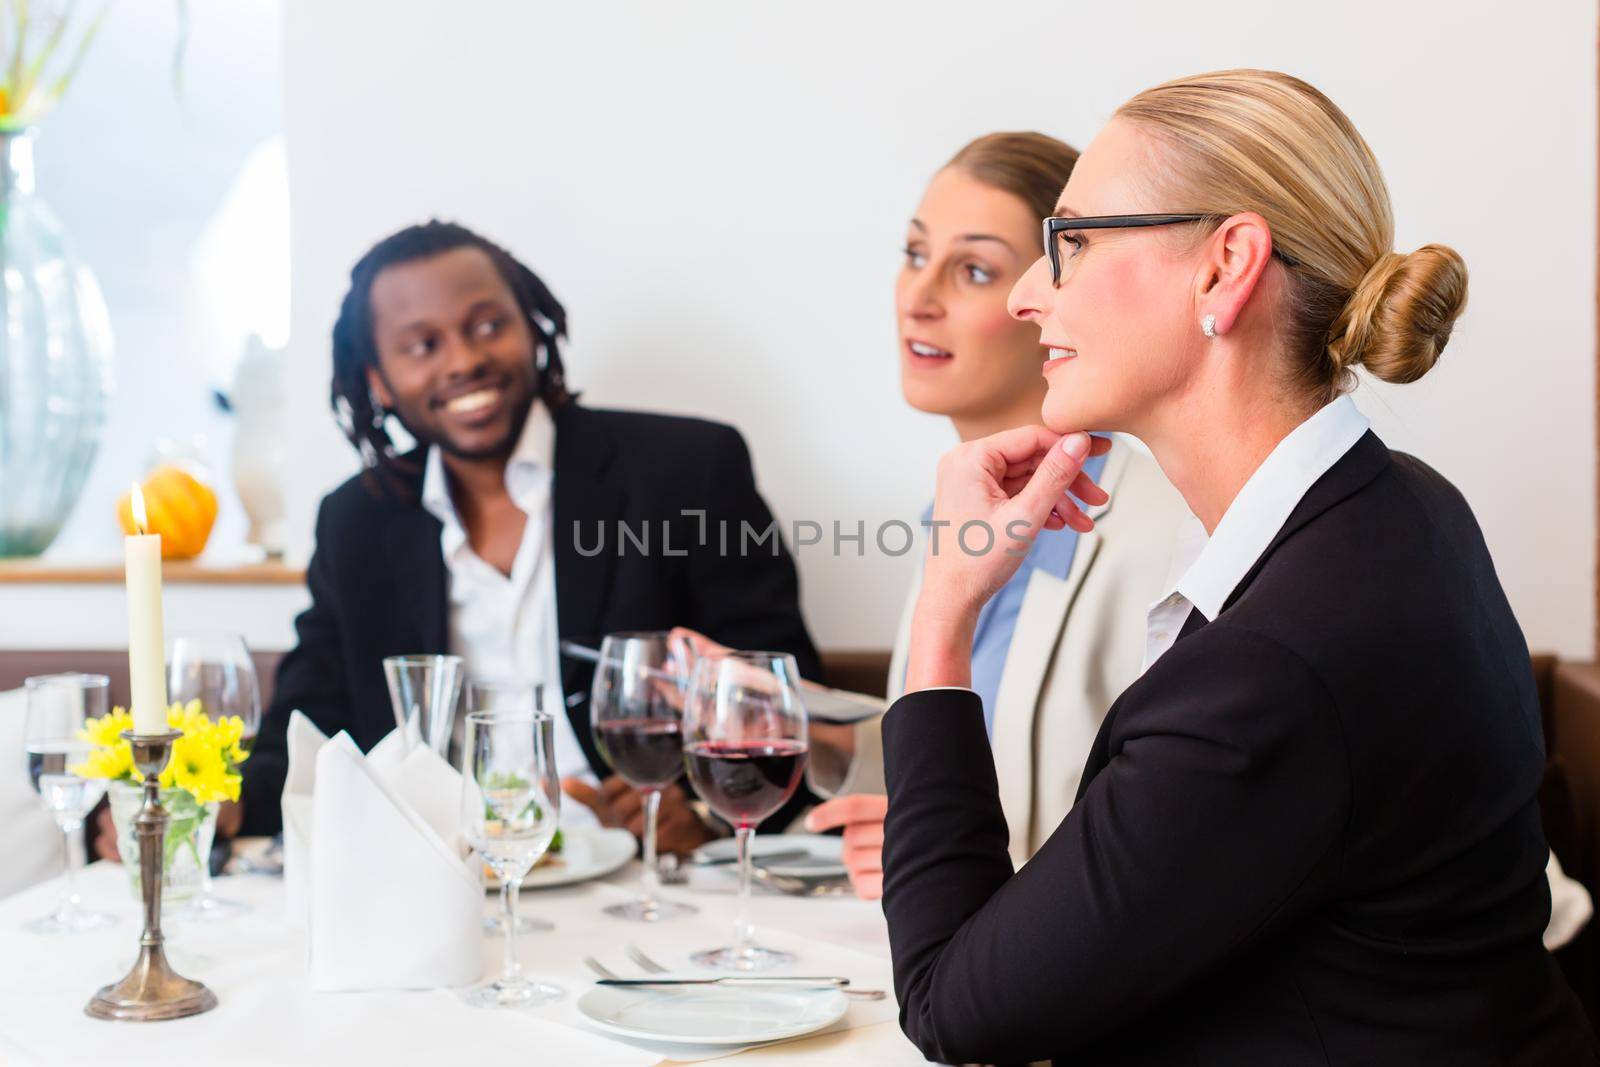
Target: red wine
x,y
745,781
648,753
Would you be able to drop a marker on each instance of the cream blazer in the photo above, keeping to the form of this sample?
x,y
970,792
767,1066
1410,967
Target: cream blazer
x,y
1059,679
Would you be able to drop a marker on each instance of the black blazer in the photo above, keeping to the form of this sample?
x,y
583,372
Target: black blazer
x,y
378,580
1307,835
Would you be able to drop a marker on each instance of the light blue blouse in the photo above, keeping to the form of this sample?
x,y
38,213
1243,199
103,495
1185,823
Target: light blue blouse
x,y
1052,553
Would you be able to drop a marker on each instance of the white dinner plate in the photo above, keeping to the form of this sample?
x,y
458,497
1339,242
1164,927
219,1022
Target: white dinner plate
x,y
711,1015
586,852
822,858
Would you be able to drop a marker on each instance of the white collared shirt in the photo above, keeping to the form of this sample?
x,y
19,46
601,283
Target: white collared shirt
x,y
1206,570
504,627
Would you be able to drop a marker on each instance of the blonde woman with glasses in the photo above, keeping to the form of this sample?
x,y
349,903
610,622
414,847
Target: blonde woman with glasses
x,y
1308,833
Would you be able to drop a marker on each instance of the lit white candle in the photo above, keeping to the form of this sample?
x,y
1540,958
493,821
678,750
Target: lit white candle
x,y
147,665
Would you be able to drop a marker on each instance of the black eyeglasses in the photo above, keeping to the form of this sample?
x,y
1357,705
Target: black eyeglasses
x,y
1057,225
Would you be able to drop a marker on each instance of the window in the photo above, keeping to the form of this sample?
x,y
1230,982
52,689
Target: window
x,y
178,202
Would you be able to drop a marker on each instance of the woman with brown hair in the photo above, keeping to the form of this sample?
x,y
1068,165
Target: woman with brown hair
x,y
1065,634
1309,832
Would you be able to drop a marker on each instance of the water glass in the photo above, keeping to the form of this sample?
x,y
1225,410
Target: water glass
x,y
508,696
52,745
510,808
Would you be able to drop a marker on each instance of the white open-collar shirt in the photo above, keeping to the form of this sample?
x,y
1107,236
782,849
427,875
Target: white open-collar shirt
x,y
1206,570
504,626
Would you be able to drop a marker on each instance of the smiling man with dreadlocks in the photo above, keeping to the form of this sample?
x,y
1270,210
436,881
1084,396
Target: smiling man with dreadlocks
x,y
482,540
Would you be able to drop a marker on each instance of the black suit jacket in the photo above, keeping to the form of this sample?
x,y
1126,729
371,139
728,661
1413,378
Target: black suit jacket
x,y
378,580
1307,835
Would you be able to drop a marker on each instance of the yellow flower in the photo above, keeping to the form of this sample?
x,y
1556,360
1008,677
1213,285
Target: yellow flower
x,y
198,767
114,762
107,730
228,736
189,718
111,757
203,757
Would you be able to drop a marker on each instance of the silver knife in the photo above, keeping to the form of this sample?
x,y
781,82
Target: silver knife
x,y
784,982
756,861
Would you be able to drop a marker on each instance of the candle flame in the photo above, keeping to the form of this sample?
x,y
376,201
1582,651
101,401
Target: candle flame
x,y
140,519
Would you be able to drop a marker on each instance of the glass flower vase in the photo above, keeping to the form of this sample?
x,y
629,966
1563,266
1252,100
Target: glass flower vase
x,y
190,830
55,361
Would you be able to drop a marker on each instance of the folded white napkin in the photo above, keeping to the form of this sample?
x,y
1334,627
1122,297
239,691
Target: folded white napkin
x,y
371,859
305,740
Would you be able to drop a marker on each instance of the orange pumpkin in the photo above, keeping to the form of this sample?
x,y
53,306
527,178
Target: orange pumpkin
x,y
180,508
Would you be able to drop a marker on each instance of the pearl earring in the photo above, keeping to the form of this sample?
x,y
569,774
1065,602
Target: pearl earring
x,y
1208,325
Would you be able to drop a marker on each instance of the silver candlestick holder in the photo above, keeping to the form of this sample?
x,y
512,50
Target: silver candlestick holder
x,y
152,991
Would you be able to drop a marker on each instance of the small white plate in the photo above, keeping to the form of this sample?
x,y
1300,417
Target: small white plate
x,y
711,1015
588,852
839,706
823,858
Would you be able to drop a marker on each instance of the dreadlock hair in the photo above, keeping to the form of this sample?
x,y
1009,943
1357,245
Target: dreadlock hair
x,y
365,423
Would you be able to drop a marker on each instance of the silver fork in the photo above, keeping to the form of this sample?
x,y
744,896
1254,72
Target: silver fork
x,y
634,953
800,887
599,968
650,965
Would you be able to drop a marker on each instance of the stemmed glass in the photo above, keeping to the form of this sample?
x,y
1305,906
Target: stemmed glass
x,y
495,695
423,691
52,744
216,670
514,697
744,732
636,710
510,807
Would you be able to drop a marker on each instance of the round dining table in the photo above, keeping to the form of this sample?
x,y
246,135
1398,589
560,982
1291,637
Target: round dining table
x,y
267,1013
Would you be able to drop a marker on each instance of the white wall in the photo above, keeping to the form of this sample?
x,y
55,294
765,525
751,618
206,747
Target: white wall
x,y
717,191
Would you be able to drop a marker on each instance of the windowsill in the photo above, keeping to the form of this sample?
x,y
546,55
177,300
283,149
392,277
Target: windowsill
x,y
90,571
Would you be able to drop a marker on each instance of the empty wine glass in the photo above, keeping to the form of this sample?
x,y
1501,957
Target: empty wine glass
x,y
216,670
507,696
636,710
423,691
744,734
58,705
510,808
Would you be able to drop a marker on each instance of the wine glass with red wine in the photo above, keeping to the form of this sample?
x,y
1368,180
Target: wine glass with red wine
x,y
636,709
744,733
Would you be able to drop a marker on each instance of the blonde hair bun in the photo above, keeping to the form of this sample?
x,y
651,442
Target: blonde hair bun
x,y
1259,140
1399,318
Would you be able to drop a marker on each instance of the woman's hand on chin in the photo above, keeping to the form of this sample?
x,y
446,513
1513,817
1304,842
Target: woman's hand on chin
x,y
992,498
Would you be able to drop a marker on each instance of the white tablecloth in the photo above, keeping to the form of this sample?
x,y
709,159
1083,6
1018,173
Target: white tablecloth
x,y
267,1014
